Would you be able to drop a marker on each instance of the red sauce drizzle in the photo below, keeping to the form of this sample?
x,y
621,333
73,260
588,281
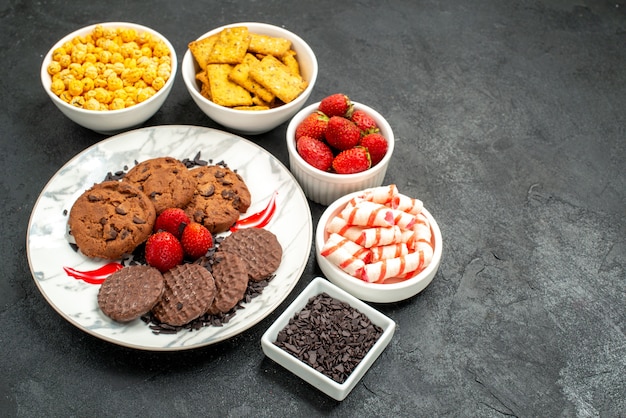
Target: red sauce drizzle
x,y
259,219
96,276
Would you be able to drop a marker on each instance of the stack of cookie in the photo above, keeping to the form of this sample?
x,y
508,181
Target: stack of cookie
x,y
191,290
114,217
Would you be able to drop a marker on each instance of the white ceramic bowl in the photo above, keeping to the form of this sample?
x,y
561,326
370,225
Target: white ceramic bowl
x,y
374,292
324,187
111,121
254,122
336,390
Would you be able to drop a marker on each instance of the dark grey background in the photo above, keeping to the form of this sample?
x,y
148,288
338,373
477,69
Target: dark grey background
x,y
510,125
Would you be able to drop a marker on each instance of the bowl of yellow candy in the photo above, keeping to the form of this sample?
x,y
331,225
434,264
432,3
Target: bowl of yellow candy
x,y
110,76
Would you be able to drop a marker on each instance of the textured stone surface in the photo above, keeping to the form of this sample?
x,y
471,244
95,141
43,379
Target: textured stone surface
x,y
510,126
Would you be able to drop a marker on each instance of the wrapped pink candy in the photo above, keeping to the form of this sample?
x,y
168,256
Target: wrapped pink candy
x,y
381,194
383,252
427,252
396,267
365,237
338,225
336,241
407,204
421,230
402,219
341,257
371,237
366,213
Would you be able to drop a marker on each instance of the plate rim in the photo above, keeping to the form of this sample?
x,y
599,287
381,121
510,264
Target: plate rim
x,y
207,130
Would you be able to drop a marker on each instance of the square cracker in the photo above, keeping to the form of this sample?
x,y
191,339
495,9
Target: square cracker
x,y
230,47
205,87
260,102
268,45
241,75
223,91
201,49
289,59
251,107
276,77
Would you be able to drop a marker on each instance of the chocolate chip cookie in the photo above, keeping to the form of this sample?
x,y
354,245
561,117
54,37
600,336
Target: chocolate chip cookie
x,y
111,219
165,180
219,198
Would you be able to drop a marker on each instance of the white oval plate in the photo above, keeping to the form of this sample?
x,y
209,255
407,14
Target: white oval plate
x,y
49,250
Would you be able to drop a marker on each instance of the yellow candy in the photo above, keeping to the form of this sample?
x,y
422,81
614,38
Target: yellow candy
x,y
131,75
58,53
158,83
144,94
117,104
75,87
90,71
58,86
77,70
120,94
54,67
78,101
65,60
128,35
109,68
88,84
114,83
149,74
65,96
117,57
92,104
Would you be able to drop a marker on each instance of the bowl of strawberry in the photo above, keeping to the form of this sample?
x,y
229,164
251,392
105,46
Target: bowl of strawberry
x,y
337,146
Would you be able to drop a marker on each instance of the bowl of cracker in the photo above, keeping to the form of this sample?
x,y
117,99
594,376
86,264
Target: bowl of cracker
x,y
249,77
109,77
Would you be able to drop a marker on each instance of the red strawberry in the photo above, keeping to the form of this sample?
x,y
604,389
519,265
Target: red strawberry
x,y
353,160
163,251
315,152
196,240
313,125
172,220
336,105
341,133
377,146
364,121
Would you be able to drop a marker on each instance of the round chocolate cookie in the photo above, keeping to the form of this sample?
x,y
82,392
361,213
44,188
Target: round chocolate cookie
x,y
130,292
220,196
189,292
165,180
231,281
258,248
111,219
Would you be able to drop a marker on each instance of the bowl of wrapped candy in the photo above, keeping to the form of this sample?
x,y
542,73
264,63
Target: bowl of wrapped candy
x,y
378,244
